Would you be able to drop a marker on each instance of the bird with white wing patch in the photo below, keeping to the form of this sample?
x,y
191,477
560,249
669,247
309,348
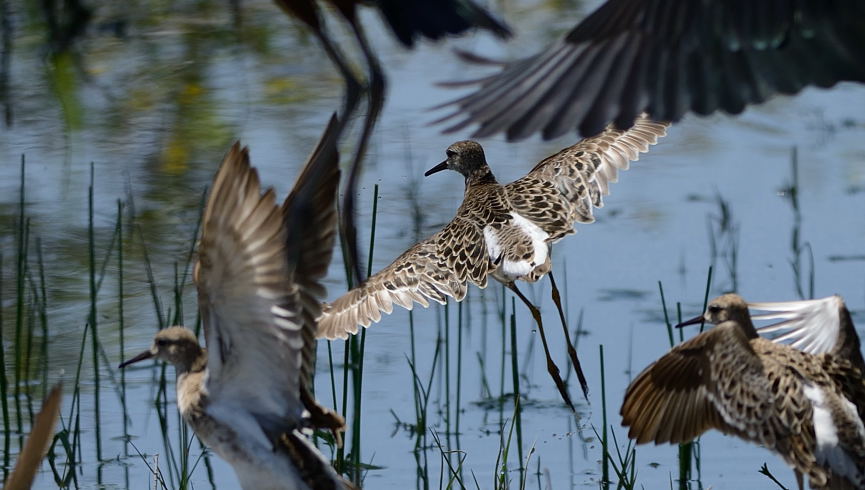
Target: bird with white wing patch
x,y
805,407
503,231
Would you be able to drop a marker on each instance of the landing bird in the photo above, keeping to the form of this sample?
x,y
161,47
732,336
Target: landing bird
x,y
503,231
408,19
802,406
247,396
667,58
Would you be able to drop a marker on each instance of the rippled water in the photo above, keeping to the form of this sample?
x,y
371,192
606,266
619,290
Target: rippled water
x,y
153,111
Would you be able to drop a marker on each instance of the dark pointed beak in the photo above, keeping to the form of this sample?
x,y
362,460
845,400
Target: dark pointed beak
x,y
140,357
438,168
692,321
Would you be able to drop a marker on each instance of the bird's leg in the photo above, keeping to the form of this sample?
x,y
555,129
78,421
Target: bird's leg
x,y
557,299
376,91
800,480
353,84
551,366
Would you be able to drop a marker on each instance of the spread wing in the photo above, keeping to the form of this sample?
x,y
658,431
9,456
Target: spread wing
x,y
310,215
692,388
814,326
564,188
433,269
249,306
667,58
310,220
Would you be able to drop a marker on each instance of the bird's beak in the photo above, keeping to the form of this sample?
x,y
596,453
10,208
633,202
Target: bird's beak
x,y
438,168
140,357
692,321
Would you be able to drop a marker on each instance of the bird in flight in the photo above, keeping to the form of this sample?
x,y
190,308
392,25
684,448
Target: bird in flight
x,y
503,231
247,395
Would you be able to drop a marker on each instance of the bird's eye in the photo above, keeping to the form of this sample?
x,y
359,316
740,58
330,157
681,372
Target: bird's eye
x,y
450,153
714,308
161,342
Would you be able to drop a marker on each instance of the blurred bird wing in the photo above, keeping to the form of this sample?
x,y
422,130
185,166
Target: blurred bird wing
x,y
310,215
812,326
433,269
38,442
665,58
580,175
677,397
249,306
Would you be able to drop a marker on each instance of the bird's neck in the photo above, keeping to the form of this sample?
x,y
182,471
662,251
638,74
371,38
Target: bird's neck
x,y
748,328
481,175
193,364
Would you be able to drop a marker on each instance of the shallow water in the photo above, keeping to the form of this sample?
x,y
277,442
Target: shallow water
x,y
155,110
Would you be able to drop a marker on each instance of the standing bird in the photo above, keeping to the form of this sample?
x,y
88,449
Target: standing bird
x,y
667,58
503,231
247,396
408,19
800,405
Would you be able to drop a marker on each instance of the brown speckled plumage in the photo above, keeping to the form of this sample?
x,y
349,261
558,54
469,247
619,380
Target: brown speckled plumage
x,y
729,378
559,191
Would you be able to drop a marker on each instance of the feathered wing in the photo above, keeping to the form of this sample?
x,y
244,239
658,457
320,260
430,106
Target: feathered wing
x,y
310,216
433,269
249,306
667,58
714,380
571,183
814,326
669,401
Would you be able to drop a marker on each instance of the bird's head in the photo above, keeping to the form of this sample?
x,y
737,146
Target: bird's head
x,y
465,157
175,345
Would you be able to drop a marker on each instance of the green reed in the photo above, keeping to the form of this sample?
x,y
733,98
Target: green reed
x,y
92,322
21,273
518,419
121,323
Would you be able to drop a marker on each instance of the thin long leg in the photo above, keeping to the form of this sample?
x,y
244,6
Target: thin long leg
x,y
353,85
557,299
551,366
376,91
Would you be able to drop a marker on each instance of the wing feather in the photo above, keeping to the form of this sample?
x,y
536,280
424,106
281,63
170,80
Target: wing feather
x,y
251,320
433,269
563,189
667,58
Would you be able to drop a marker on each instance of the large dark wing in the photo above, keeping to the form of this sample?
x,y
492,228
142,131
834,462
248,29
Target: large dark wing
x,y
433,269
665,58
435,19
564,188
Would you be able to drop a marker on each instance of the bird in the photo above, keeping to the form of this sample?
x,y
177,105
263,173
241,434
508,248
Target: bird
x,y
248,394
408,20
801,406
665,58
503,231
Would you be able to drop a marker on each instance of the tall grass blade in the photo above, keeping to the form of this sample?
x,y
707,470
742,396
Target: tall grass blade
x,y
92,322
